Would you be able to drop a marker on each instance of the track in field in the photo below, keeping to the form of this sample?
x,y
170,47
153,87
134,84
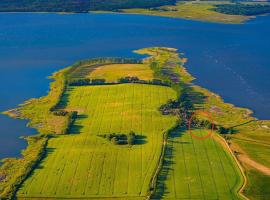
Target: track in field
x,y
84,165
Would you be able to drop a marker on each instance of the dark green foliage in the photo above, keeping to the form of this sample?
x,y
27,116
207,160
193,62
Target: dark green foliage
x,y
60,112
223,130
71,117
242,9
77,5
79,82
157,81
98,82
120,138
129,79
172,107
131,138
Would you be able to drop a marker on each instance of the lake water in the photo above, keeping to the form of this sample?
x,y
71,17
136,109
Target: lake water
x,y
231,60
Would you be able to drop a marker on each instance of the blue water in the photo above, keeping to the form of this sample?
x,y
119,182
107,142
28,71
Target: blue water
x,y
231,60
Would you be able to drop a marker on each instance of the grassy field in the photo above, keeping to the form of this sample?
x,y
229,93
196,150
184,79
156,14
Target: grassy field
x,y
83,165
192,10
114,72
250,141
198,169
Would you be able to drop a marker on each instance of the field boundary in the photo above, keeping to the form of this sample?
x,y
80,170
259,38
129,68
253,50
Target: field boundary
x,y
153,183
241,189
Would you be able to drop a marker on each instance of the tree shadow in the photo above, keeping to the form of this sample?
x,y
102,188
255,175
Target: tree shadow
x,y
40,164
168,162
75,127
64,100
140,140
189,101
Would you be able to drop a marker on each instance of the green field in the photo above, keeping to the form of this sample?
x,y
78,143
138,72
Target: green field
x,y
198,169
113,72
201,11
83,165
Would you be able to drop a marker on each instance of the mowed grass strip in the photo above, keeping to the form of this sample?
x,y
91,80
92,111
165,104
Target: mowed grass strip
x,y
113,72
82,164
198,169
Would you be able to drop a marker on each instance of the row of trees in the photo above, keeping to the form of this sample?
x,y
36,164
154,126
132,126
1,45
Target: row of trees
x,y
86,81
127,79
243,9
77,5
120,138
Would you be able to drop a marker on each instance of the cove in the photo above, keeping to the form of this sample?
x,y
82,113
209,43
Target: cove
x,y
230,60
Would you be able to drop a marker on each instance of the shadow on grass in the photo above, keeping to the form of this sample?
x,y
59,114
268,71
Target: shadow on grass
x,y
64,98
140,140
75,127
168,162
189,101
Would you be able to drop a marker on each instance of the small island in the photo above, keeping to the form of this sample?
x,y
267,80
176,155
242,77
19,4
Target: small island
x,y
135,129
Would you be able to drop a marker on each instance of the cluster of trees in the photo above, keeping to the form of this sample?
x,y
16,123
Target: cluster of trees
x,y
171,107
205,124
86,81
223,130
77,5
133,79
127,79
120,138
196,123
242,9
70,119
60,112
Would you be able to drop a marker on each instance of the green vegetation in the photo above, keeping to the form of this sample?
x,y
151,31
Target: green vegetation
x,y
191,168
243,9
191,10
81,164
197,169
121,139
112,73
117,136
258,185
14,171
76,5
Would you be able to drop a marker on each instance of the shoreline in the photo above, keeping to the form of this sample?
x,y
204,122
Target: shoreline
x,y
14,113
142,14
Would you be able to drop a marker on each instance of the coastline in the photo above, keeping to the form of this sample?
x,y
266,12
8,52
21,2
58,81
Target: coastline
x,y
136,13
15,113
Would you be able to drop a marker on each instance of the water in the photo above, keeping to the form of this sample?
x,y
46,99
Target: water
x,y
231,60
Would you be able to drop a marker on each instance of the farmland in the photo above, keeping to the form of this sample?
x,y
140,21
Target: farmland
x,y
81,164
116,71
165,161
197,169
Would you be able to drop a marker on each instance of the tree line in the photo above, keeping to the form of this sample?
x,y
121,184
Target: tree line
x,y
242,9
77,5
127,79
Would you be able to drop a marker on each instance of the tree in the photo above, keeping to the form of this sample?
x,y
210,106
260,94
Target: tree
x,y
114,140
131,138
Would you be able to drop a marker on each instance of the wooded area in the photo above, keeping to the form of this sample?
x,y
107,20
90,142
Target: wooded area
x,y
77,5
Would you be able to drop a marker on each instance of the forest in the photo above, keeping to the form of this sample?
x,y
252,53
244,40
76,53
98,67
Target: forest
x,y
242,9
77,5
